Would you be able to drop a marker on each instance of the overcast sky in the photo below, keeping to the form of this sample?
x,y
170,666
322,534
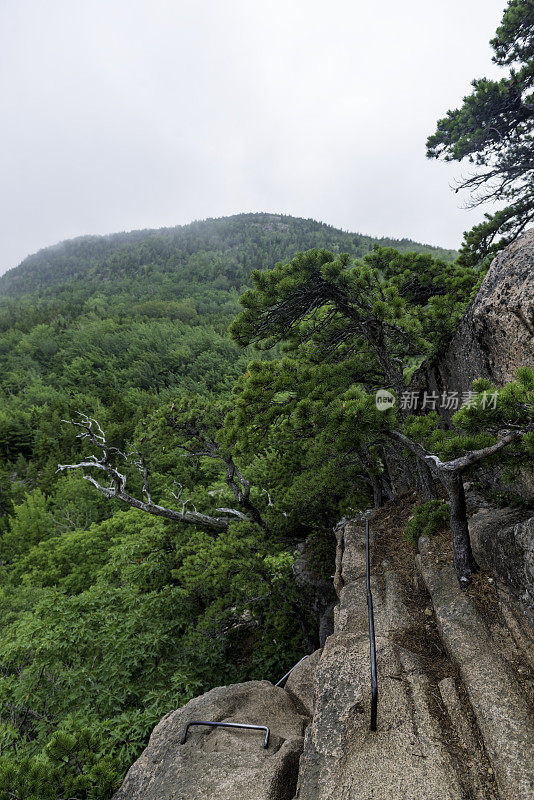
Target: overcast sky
x,y
148,113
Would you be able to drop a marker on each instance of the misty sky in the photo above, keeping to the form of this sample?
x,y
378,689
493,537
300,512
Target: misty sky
x,y
148,113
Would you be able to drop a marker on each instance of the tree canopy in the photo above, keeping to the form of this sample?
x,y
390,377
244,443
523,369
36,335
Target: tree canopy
x,y
493,130
355,328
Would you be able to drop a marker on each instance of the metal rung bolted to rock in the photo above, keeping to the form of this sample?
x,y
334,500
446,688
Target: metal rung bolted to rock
x,y
290,671
228,725
372,645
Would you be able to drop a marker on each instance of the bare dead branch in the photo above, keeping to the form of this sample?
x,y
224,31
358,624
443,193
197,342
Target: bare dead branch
x,y
90,429
462,462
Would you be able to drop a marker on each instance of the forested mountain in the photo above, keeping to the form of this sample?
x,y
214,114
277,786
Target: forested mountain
x,y
186,414
228,249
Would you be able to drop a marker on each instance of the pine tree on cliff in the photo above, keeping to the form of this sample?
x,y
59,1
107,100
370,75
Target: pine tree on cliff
x,y
392,312
494,131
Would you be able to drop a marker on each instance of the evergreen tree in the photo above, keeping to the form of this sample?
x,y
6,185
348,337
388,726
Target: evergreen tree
x,y
380,323
494,131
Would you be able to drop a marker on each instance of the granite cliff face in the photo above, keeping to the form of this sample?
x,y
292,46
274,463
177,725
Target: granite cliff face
x,y
496,334
496,337
503,543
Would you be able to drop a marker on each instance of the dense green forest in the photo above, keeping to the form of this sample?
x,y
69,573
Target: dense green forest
x,y
116,354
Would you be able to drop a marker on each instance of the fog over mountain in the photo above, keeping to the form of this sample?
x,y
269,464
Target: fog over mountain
x,y
141,115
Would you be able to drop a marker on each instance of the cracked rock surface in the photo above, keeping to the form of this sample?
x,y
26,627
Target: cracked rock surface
x,y
500,705
494,337
343,759
454,721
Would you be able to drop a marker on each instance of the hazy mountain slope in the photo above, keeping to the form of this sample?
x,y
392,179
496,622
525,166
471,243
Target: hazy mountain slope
x,y
232,246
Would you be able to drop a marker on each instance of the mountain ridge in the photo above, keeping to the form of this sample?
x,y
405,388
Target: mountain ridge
x,y
273,236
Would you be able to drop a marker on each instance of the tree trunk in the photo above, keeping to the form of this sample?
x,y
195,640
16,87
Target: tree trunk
x,y
450,475
256,516
377,491
387,483
426,480
464,561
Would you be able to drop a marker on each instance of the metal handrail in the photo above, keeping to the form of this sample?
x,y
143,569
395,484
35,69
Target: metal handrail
x,y
372,644
290,671
228,725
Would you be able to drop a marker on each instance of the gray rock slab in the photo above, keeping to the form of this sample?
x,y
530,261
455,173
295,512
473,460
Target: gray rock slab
x,y
301,682
502,712
219,762
494,337
395,616
342,759
503,542
404,759
353,563
462,723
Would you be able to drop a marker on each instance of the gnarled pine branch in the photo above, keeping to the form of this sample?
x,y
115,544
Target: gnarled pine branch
x,y
105,463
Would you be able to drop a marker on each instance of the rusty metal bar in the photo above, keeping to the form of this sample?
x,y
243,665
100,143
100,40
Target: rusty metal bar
x,y
290,671
228,725
372,644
